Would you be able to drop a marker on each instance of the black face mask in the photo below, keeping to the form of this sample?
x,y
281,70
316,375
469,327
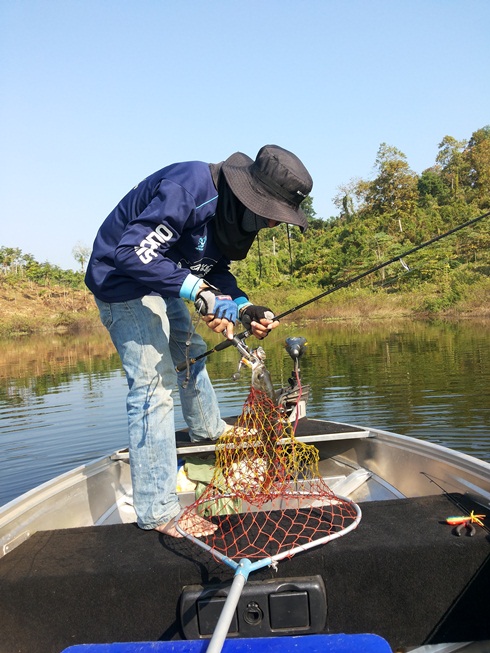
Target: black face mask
x,y
252,222
233,240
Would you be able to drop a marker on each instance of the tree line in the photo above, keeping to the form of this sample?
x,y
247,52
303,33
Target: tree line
x,y
15,265
382,217
378,219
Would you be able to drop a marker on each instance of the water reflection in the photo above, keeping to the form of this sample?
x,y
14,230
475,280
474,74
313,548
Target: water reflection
x,y
62,397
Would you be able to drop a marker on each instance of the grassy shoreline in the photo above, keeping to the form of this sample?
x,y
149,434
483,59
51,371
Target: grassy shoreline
x,y
28,308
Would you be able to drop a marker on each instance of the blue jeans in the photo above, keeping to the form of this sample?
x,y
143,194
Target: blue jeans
x,y
150,334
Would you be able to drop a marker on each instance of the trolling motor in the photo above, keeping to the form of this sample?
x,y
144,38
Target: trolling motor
x,y
296,347
294,397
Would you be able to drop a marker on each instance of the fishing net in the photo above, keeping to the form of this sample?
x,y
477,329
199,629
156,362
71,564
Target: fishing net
x,y
267,495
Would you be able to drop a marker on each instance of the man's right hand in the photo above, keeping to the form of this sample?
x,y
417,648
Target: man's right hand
x,y
219,311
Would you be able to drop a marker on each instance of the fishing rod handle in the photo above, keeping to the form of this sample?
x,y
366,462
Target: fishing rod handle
x,y
221,345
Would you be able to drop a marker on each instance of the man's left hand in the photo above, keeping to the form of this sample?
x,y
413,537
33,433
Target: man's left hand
x,y
259,320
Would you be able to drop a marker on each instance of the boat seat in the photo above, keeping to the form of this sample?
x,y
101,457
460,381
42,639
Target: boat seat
x,y
307,430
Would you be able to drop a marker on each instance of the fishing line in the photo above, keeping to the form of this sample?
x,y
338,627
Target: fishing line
x,y
342,284
188,361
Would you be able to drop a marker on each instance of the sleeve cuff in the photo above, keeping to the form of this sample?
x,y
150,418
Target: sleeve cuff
x,y
242,302
189,288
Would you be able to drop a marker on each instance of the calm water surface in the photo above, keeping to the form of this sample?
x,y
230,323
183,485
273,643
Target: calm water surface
x,y
62,398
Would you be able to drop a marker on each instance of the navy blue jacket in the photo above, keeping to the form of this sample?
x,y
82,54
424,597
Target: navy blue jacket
x,y
159,239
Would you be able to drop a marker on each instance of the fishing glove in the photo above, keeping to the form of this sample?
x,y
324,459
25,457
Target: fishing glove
x,y
211,301
252,313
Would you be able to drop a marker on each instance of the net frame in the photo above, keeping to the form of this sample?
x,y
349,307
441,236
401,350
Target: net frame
x,y
263,470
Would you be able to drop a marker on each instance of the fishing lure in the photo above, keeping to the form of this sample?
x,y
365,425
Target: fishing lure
x,y
462,522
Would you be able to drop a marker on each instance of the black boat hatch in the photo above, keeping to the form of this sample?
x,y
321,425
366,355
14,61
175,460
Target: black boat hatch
x,y
292,606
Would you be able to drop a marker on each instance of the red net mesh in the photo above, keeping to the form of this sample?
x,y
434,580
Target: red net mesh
x,y
267,494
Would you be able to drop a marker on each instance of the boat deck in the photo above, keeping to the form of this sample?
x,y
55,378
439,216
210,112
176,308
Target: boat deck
x,y
402,574
119,583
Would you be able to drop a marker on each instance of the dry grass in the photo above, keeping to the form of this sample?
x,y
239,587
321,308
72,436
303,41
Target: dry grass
x,y
28,308
346,304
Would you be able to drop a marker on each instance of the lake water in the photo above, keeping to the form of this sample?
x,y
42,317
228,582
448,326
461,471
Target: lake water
x,y
62,398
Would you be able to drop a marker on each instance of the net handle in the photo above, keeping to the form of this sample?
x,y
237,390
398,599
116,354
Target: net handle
x,y
228,611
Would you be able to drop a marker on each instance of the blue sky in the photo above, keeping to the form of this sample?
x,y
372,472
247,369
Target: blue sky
x,y
97,94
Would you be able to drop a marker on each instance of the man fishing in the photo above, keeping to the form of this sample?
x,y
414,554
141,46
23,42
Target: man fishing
x,y
170,239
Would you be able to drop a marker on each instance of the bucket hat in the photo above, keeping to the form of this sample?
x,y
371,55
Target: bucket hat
x,y
273,186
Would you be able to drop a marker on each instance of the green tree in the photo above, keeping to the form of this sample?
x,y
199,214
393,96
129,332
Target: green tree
x,y
307,208
477,157
10,258
433,192
81,254
349,197
394,192
450,158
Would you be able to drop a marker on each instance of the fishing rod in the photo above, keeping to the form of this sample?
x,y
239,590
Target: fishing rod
x,y
237,338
